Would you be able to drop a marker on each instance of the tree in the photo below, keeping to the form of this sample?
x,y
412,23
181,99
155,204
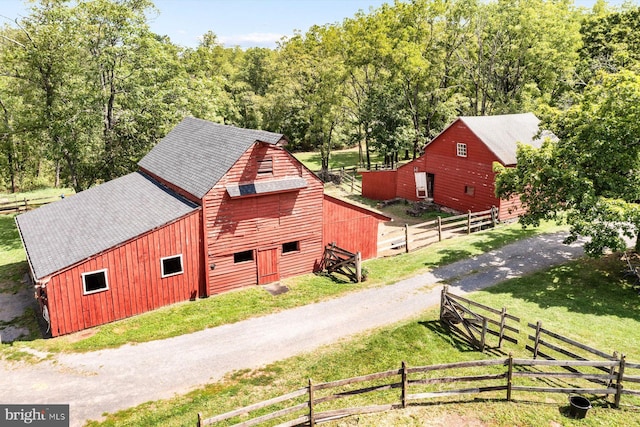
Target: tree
x,y
592,174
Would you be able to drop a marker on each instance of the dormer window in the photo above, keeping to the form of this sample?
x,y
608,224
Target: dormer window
x,y
265,166
461,149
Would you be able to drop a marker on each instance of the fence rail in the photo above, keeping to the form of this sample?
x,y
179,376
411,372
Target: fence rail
x,y
609,376
415,387
457,313
420,235
25,204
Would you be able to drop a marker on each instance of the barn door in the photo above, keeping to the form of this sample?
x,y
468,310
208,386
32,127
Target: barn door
x,y
268,271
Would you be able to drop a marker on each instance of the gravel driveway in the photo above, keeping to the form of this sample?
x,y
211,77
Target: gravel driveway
x,y
110,380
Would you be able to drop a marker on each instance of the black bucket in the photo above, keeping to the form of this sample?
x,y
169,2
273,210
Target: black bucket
x,y
578,406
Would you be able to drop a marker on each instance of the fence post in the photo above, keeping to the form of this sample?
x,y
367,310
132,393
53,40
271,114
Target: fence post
x,y
358,267
536,343
612,371
312,420
509,377
484,333
406,238
503,321
494,216
468,222
404,384
443,297
439,229
619,385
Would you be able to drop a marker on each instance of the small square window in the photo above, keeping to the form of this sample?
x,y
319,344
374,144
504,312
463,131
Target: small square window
x,y
265,166
95,281
243,256
461,149
291,247
469,190
171,265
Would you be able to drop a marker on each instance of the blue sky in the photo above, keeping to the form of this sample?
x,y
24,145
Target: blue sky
x,y
244,23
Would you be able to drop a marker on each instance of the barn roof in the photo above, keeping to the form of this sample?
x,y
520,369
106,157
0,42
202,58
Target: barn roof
x,y
60,234
197,153
502,133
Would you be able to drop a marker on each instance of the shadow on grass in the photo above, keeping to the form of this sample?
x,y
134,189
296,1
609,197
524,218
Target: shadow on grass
x,y
586,286
448,335
11,276
490,242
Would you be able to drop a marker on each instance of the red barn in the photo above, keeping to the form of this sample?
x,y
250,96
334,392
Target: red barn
x,y
456,169
212,208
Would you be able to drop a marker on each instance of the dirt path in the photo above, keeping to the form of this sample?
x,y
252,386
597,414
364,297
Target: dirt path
x,y
110,380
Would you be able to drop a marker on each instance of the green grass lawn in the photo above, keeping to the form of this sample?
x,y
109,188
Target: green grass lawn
x,y
339,159
587,300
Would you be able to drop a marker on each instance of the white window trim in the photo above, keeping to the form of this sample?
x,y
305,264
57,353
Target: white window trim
x,y
84,284
461,148
172,274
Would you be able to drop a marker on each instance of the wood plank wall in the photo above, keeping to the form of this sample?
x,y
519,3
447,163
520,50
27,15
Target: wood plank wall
x,y
134,279
261,222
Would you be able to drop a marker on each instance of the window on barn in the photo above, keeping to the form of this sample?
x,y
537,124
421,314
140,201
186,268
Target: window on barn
x,y
291,247
243,256
265,165
171,265
469,190
95,281
461,149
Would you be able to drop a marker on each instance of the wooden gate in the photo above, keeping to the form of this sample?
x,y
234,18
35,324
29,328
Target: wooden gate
x,y
268,271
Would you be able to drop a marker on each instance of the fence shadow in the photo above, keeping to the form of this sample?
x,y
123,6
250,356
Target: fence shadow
x,y
596,286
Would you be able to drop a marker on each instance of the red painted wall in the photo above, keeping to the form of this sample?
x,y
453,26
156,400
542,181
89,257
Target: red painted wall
x,y
134,279
406,181
350,227
253,223
379,185
452,173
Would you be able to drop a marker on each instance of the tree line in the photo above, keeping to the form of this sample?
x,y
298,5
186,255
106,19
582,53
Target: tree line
x,y
86,89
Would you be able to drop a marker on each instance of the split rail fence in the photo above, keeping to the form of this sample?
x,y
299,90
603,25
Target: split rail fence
x,y
25,204
610,375
423,234
415,385
474,322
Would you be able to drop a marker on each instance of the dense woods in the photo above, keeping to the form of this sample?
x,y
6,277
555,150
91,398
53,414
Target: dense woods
x,y
86,89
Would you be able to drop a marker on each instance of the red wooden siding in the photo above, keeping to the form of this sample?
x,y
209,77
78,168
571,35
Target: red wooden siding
x,y
453,173
379,185
406,181
134,279
255,223
268,266
350,227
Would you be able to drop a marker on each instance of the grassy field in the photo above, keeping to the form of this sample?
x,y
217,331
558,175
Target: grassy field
x,y
587,300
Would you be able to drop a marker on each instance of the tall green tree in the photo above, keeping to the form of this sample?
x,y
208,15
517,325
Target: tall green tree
x,y
592,174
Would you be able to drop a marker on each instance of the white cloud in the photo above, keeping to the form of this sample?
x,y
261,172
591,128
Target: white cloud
x,y
252,40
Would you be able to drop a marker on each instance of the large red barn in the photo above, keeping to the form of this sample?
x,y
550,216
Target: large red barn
x,y
456,169
212,208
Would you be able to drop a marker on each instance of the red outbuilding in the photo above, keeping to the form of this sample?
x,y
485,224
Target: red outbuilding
x,y
456,169
212,208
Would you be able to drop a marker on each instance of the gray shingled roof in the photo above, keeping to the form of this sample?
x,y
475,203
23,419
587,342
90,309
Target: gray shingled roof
x,y
63,233
501,133
197,153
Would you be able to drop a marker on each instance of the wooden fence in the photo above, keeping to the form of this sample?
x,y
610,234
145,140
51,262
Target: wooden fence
x,y
417,384
347,178
420,235
341,261
462,317
26,204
